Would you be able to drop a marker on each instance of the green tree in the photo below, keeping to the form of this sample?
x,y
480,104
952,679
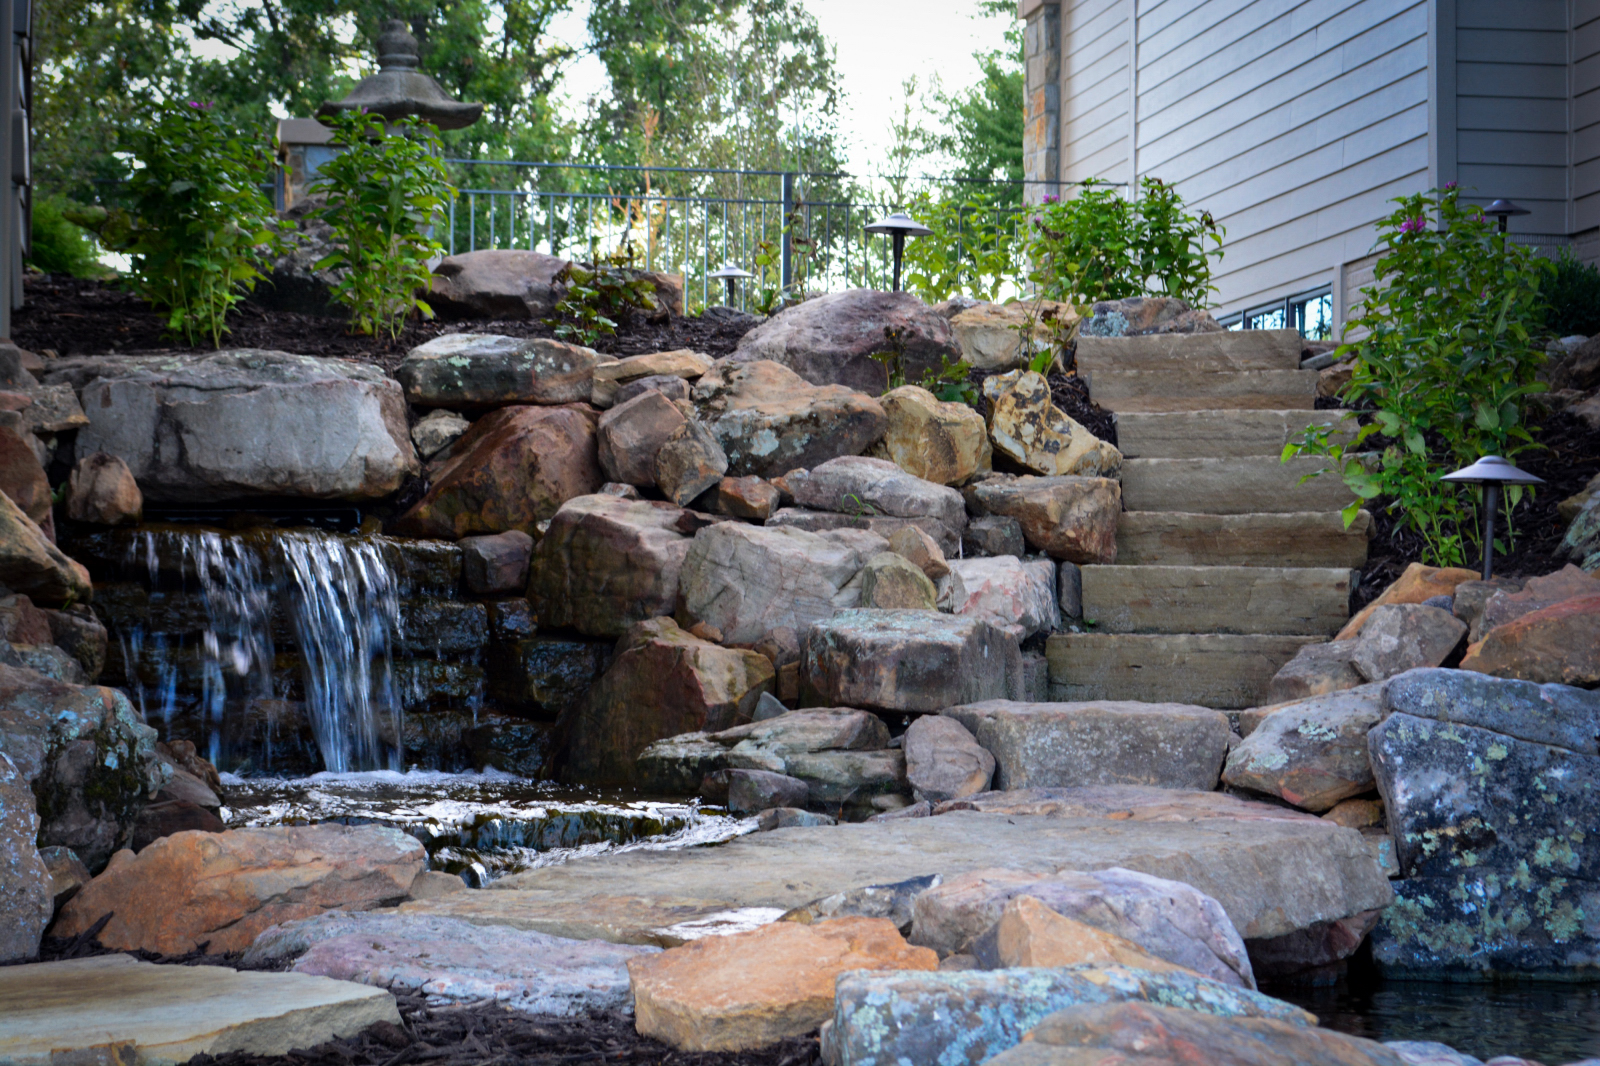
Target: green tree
x,y
982,124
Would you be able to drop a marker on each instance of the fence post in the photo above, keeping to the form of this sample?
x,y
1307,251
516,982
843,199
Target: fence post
x,y
788,250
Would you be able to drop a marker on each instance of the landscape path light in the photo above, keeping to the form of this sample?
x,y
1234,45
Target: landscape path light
x,y
1491,472
1504,209
899,226
731,275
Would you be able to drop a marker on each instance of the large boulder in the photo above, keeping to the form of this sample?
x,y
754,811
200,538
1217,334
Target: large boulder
x,y
27,893
1535,594
1416,584
1489,787
907,660
858,485
22,479
1028,428
770,421
991,335
244,422
1394,638
663,682
749,580
497,283
830,339
31,564
513,469
224,889
1559,643
682,363
1010,592
630,434
929,438
491,370
747,990
87,755
1071,518
1171,745
606,563
1311,753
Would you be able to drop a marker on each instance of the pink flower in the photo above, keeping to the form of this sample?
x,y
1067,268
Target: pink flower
x,y
1415,224
1449,184
1049,199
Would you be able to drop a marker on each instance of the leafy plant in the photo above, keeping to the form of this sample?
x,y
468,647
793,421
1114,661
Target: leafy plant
x,y
951,381
384,191
972,249
198,224
597,296
1099,245
1573,297
1446,364
59,246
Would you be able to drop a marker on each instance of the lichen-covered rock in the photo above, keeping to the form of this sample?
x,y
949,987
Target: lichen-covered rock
x,y
892,582
907,660
27,898
830,339
937,441
1028,428
769,421
606,563
1071,518
1312,753
490,370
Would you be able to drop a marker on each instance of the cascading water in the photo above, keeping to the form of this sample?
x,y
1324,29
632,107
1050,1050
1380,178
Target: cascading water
x,y
341,598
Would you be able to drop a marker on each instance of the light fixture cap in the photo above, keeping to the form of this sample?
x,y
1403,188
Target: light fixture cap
x,y
730,271
899,222
1492,470
1504,208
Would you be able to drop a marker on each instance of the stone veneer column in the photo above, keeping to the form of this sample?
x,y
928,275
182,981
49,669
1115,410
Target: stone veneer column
x,y
1041,133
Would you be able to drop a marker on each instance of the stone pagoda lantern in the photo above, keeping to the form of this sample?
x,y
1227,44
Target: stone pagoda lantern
x,y
398,89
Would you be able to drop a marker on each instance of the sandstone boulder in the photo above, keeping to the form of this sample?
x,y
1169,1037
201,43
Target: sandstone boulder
x,y
1030,934
770,421
688,463
606,563
1315,670
1071,518
1028,428
22,480
1172,745
922,550
1010,593
859,485
944,761
672,387
750,580
490,370
991,335
928,438
1312,753
1137,316
497,564
27,891
1401,637
907,660
498,283
892,582
750,498
630,434
728,993
1415,585
30,563
1507,605
224,889
682,364
1559,643
840,754
830,339
993,535
102,491
244,422
663,682
882,525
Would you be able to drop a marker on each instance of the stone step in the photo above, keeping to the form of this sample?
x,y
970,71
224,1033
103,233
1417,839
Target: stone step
x,y
1249,484
1255,349
1216,599
1202,390
1219,434
1220,670
1295,538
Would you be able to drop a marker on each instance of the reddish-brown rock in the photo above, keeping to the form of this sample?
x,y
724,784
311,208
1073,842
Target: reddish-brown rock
x,y
1071,518
1416,584
690,462
101,490
1029,933
1559,643
22,479
1537,593
727,993
513,469
223,889
748,497
630,435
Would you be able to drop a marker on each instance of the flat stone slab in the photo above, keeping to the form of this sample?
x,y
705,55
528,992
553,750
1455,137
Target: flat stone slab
x,y
1220,670
1271,877
1256,349
1294,538
1199,390
1251,484
1217,434
1305,601
57,1011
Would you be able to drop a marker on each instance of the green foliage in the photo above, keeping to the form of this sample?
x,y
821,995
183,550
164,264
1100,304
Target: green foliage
x,y
951,381
973,247
198,221
596,297
1447,362
1100,246
384,191
982,125
1573,296
60,246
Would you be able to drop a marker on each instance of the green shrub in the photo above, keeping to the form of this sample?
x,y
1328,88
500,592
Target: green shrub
x,y
1574,298
597,296
972,249
384,191
61,246
1447,362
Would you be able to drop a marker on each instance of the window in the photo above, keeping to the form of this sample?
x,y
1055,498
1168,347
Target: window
x,y
1309,312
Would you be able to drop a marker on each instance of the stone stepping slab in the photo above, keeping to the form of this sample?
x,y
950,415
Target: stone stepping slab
x,y
1218,434
1295,538
1261,349
1216,599
86,1010
1244,485
1221,670
1202,390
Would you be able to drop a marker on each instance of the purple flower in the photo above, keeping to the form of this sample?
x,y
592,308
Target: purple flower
x,y
1415,224
200,105
1049,199
1449,184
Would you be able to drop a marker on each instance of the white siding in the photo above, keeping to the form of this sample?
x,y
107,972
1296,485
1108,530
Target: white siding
x,y
1585,115
1094,89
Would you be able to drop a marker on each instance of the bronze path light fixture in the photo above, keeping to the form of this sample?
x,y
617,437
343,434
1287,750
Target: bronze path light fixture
x,y
731,275
1491,472
899,226
1504,209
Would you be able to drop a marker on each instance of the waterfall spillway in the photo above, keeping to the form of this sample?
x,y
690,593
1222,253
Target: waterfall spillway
x,y
340,597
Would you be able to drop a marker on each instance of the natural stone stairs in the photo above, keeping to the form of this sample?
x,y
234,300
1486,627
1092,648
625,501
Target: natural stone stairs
x,y
1227,565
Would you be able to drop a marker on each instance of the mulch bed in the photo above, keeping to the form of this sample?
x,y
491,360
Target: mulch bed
x,y
73,316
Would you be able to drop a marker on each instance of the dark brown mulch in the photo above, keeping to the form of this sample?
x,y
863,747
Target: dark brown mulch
x,y
73,316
